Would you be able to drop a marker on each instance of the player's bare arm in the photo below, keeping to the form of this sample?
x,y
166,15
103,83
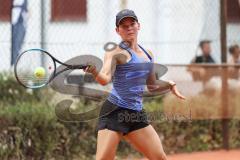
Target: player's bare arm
x,y
155,85
111,59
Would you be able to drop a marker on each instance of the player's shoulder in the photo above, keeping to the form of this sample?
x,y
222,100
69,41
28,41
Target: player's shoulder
x,y
116,51
150,53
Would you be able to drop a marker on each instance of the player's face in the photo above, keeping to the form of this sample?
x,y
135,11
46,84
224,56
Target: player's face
x,y
128,29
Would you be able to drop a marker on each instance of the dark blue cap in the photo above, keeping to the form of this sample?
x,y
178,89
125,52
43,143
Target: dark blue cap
x,y
124,14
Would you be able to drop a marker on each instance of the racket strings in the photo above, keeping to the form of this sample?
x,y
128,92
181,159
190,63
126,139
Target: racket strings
x,y
31,72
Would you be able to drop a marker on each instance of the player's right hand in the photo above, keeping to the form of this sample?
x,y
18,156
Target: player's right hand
x,y
91,69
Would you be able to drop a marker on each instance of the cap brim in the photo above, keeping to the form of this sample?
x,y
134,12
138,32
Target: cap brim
x,y
126,17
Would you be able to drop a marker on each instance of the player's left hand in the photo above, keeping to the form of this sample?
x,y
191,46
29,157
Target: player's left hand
x,y
177,93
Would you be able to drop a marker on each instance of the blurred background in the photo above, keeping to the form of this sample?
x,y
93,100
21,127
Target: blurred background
x,y
198,41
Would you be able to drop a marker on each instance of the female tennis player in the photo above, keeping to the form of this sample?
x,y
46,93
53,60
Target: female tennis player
x,y
121,115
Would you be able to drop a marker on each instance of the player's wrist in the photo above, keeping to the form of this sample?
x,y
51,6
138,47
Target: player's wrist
x,y
95,74
171,84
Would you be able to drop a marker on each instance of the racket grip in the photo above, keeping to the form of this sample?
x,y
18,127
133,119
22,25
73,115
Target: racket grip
x,y
85,66
78,66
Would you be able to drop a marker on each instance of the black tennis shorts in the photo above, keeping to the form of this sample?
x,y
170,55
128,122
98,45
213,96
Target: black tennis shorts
x,y
121,119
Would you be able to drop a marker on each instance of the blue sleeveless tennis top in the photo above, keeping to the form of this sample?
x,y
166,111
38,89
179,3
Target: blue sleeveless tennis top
x,y
129,80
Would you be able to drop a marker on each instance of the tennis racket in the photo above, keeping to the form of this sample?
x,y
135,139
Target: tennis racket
x,y
31,72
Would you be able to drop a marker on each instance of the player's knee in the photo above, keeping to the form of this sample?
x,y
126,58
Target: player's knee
x,y
158,156
161,157
104,157
164,157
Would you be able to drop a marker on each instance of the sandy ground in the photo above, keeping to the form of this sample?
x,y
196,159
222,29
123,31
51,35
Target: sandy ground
x,y
210,155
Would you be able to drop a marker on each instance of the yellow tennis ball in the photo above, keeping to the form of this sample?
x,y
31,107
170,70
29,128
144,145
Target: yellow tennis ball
x,y
39,72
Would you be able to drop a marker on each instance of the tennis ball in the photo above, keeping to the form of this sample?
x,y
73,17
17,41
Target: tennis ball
x,y
39,72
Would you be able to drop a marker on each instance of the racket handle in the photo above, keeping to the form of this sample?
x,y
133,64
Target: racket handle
x,y
83,66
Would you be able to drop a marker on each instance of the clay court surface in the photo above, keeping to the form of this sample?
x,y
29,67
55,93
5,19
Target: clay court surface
x,y
210,155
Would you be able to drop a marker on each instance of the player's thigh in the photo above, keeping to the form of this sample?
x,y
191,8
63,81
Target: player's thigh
x,y
147,141
107,142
